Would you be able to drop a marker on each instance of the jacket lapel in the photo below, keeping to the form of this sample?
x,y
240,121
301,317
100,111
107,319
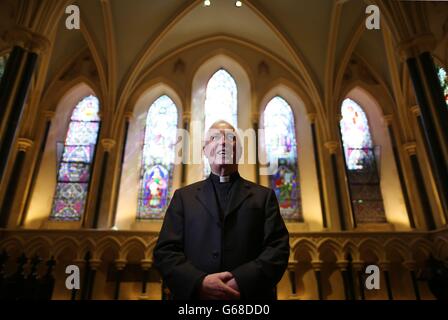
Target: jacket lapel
x,y
206,196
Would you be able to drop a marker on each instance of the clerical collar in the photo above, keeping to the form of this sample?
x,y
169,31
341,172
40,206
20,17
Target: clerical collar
x,y
222,179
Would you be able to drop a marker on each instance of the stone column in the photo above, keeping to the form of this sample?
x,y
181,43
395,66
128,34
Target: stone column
x,y
14,86
127,118
434,113
94,264
120,264
23,145
347,278
292,276
388,121
384,266
146,265
332,147
317,267
82,265
312,120
411,266
358,269
411,150
185,147
48,116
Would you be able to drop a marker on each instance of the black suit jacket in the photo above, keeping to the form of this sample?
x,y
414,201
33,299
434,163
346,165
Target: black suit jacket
x,y
251,242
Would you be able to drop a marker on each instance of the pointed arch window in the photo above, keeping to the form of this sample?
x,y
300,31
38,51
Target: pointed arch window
x,y
75,166
158,159
281,148
360,160
443,77
221,103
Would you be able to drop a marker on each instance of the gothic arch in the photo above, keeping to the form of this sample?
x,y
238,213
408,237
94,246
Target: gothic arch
x,y
130,182
201,77
41,200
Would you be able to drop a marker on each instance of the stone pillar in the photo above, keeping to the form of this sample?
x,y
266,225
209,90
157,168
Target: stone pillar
x,y
347,278
48,115
312,120
292,277
127,118
107,145
388,121
120,264
82,265
94,264
411,150
23,145
256,127
358,269
14,86
146,265
384,266
317,267
332,147
411,266
185,147
434,113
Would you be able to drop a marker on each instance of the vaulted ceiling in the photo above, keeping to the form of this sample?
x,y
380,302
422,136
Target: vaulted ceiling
x,y
305,34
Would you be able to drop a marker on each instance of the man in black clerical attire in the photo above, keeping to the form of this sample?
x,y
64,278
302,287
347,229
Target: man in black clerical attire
x,y
224,237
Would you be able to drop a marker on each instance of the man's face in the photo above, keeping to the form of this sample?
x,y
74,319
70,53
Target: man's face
x,y
220,145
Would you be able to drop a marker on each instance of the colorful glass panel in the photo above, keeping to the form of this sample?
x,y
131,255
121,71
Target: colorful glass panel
x,y
355,134
158,159
77,156
281,148
360,158
221,103
443,77
3,60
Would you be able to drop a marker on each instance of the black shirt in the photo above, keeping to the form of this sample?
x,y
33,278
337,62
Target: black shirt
x,y
223,191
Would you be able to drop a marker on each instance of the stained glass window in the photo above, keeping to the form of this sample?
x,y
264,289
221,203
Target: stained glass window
x,y
281,148
3,60
360,159
158,159
443,77
355,134
221,103
76,162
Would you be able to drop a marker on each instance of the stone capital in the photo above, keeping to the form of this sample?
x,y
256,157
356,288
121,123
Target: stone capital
x,y
342,264
311,117
317,264
415,110
120,264
416,45
186,116
128,115
24,144
384,265
410,147
49,114
292,265
108,144
27,39
255,118
410,265
332,146
146,264
358,265
94,263
387,119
